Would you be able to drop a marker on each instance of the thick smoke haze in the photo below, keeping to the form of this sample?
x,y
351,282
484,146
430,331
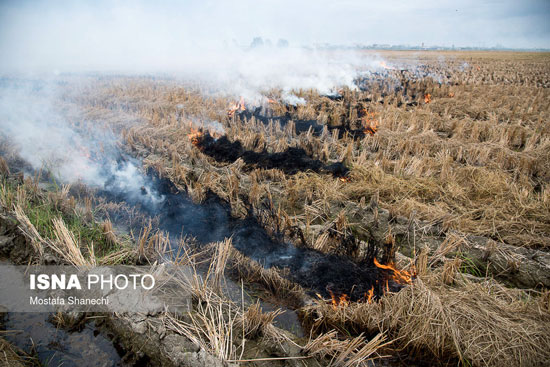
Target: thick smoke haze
x,y
41,42
211,39
40,135
35,125
168,34
209,42
248,72
169,39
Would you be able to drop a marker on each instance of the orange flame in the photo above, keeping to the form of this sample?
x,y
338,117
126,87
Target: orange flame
x,y
399,276
427,98
269,100
238,106
370,294
451,94
371,129
386,66
369,122
345,179
195,136
342,301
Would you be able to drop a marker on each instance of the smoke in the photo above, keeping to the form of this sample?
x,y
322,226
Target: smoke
x,y
292,99
40,135
188,41
50,136
47,40
248,72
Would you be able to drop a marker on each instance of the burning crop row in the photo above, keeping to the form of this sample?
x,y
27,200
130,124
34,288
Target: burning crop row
x,y
367,120
312,203
389,273
237,107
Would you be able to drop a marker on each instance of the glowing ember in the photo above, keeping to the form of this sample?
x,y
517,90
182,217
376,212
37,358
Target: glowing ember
x,y
345,179
451,94
239,106
399,276
427,98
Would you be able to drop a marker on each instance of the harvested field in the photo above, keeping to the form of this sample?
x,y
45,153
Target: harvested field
x,y
407,217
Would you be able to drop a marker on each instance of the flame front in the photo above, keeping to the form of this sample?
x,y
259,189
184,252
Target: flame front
x,y
369,122
370,294
342,301
238,106
399,276
195,136
427,98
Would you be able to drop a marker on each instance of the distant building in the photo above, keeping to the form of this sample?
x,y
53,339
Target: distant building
x,y
282,43
257,42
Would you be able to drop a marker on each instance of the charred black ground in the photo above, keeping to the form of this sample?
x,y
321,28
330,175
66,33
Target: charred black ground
x,y
211,221
291,161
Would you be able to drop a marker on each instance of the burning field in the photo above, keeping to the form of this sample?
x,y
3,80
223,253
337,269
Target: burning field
x,y
401,219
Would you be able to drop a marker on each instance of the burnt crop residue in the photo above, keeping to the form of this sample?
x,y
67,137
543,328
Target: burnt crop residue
x,y
211,221
302,126
290,161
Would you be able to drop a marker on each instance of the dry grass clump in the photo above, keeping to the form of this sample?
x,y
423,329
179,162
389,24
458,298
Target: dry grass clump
x,y
345,353
67,246
52,224
211,327
269,280
28,228
4,168
151,243
217,267
256,323
108,231
11,356
483,324
216,323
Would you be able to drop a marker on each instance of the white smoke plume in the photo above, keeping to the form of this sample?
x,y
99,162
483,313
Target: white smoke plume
x,y
35,124
47,40
292,99
247,72
169,39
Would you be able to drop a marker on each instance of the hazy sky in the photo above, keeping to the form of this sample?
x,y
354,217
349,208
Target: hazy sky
x,y
99,32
